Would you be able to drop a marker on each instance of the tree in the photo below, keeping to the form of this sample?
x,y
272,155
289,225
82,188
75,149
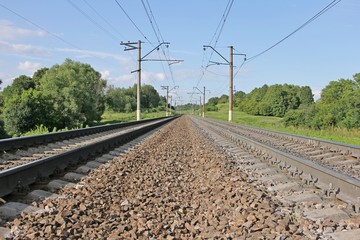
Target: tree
x,y
335,90
306,96
223,99
239,96
77,91
24,112
149,97
115,99
19,85
211,104
2,130
38,75
338,106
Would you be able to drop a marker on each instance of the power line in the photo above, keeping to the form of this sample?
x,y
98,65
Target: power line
x,y
221,20
325,9
103,18
223,24
92,20
218,31
42,28
158,36
151,22
157,26
127,15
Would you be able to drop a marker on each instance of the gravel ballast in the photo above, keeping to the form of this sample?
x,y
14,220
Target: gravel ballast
x,y
174,185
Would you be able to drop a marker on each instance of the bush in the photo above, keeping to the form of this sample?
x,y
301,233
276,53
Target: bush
x,y
294,118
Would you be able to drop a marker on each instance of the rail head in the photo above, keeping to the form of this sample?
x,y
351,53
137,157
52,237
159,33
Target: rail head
x,y
27,174
347,149
19,142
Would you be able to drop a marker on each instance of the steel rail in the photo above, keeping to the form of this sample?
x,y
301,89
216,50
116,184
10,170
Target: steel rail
x,y
20,142
332,183
346,149
29,173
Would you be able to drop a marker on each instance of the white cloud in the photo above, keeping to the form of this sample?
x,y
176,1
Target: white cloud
x,y
28,66
131,78
23,49
105,74
97,54
152,76
10,32
317,94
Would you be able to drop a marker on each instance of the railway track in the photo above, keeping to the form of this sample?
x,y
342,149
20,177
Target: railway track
x,y
29,165
172,188
327,158
18,151
299,169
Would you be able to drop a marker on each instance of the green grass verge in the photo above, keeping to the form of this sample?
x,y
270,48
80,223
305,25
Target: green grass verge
x,y
274,123
114,117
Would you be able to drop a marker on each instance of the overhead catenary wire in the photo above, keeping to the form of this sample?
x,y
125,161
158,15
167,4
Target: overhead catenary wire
x,y
151,22
127,15
103,18
321,12
93,21
215,36
158,36
153,17
40,27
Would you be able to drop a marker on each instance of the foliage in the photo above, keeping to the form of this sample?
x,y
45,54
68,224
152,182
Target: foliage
x,y
77,91
211,104
223,99
3,134
124,99
20,84
115,117
23,112
339,106
149,97
38,130
350,136
64,96
275,100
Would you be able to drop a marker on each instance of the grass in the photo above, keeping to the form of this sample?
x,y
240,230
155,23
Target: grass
x,y
275,123
114,117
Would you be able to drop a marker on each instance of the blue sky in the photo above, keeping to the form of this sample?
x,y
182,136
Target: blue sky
x,y
325,50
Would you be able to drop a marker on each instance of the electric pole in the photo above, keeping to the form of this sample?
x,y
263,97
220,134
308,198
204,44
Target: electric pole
x,y
170,104
231,84
203,112
231,64
138,87
167,97
132,46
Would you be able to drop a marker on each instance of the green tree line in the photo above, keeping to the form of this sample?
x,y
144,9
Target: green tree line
x,y
65,96
124,99
338,106
275,100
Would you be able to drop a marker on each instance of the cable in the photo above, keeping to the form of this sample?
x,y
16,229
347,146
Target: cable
x,y
157,26
92,20
158,36
103,18
132,21
151,22
222,26
325,9
221,20
218,32
42,28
